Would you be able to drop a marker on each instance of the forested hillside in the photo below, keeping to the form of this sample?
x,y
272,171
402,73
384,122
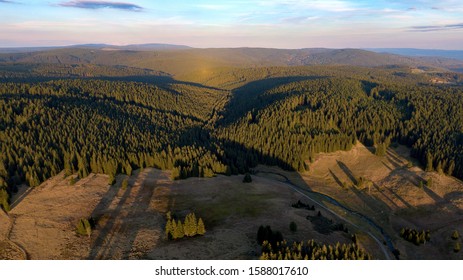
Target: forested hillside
x,y
112,119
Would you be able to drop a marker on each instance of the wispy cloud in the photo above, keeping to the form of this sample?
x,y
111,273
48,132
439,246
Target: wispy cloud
x,y
430,28
325,5
7,2
101,5
299,20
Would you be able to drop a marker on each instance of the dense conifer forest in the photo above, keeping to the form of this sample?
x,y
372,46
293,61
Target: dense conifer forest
x,y
118,119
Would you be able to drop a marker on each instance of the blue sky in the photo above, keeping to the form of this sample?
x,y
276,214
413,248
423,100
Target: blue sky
x,y
240,23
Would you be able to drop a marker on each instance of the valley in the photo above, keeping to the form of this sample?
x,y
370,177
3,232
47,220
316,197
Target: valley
x,y
130,222
120,138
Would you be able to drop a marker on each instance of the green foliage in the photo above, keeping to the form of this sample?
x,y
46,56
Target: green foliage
x,y
455,235
201,228
4,200
312,250
293,226
429,183
277,116
190,227
380,149
267,234
457,247
247,178
84,227
415,236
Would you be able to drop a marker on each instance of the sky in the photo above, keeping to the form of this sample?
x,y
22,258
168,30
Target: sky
x,y
426,24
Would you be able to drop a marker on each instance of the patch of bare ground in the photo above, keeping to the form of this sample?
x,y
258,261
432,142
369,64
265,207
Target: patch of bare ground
x,y
233,212
44,220
130,221
393,196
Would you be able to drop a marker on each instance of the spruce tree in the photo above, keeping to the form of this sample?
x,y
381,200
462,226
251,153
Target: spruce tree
x,y
180,233
247,178
169,230
429,159
455,235
201,228
457,247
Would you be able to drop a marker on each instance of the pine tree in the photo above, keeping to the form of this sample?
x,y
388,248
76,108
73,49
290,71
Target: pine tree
x,y
247,178
169,230
179,232
380,149
293,226
125,184
201,228
455,235
439,168
190,225
4,200
457,247
429,159
84,227
128,168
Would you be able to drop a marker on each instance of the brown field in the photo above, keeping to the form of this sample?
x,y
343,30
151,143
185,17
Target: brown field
x,y
130,222
394,199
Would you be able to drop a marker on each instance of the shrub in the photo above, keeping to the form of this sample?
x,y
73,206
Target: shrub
x,y
201,230
455,235
457,247
247,178
293,226
84,227
190,227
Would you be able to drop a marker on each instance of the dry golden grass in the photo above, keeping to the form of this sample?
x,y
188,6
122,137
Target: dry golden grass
x,y
130,221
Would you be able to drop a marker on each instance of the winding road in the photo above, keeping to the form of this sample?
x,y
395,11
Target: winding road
x,y
334,202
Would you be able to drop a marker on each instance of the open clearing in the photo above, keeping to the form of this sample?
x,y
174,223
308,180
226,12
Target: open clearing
x,y
394,198
130,222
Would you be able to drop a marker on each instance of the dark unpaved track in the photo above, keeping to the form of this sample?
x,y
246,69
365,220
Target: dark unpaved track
x,y
336,203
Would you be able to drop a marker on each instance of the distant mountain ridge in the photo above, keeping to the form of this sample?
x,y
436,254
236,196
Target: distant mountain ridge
x,y
134,47
184,60
451,54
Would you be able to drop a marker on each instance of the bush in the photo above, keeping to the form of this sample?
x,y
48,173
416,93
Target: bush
x,y
190,227
247,178
267,234
84,227
293,227
457,247
455,235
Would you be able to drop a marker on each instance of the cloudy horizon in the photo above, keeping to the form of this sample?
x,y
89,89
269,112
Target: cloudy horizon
x,y
244,23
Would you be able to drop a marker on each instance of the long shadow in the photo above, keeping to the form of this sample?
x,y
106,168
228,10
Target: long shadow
x,y
251,97
109,106
390,200
103,241
369,201
347,171
336,178
124,223
163,81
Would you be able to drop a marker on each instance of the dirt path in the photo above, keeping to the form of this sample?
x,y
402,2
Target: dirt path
x,y
8,248
301,191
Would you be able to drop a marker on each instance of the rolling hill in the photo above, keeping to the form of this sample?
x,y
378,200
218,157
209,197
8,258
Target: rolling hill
x,y
186,62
